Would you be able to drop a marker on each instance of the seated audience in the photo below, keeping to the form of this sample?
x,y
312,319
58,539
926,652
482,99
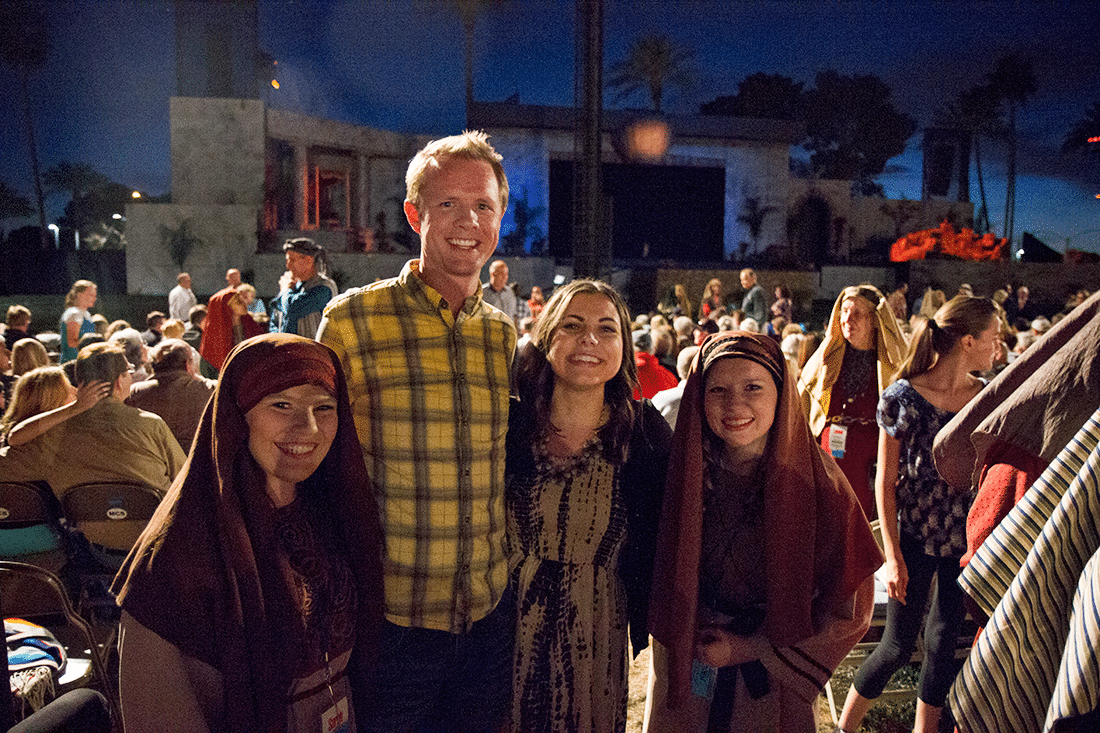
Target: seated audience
x,y
152,335
28,354
45,397
115,326
137,353
173,328
261,574
18,320
652,377
7,379
109,441
101,324
667,401
175,391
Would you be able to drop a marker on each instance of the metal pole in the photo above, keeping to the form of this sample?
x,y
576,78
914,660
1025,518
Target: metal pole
x,y
587,194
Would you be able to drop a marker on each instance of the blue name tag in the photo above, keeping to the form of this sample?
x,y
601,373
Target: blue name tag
x,y
703,679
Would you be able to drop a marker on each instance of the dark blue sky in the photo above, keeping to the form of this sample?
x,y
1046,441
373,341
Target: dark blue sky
x,y
397,64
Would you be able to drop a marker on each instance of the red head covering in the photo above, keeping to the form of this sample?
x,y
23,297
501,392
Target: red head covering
x,y
819,547
217,329
205,574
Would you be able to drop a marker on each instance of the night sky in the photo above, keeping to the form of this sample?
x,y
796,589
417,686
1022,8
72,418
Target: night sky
x,y
397,64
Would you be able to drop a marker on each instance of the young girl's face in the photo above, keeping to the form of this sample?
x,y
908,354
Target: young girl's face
x,y
739,400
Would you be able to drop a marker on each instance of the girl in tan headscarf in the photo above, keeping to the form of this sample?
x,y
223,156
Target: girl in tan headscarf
x,y
841,383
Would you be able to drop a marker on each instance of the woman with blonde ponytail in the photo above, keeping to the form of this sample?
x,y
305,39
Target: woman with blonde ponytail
x,y
923,519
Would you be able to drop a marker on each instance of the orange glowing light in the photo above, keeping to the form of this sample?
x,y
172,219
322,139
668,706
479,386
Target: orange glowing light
x,y
649,139
1094,139
275,83
136,194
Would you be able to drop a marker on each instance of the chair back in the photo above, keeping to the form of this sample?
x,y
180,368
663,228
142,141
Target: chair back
x,y
26,504
30,525
110,514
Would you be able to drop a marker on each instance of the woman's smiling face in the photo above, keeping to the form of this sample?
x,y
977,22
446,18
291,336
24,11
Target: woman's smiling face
x,y
290,433
586,348
739,401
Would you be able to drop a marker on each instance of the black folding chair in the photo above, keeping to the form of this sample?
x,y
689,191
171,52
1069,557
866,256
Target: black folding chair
x,y
87,658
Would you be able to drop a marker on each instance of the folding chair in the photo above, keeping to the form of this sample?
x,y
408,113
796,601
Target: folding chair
x,y
30,525
111,516
87,658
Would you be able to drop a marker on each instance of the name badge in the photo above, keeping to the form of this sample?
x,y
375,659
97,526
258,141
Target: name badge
x,y
838,439
703,679
336,719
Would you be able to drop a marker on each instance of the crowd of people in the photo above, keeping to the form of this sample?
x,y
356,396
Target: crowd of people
x,y
431,504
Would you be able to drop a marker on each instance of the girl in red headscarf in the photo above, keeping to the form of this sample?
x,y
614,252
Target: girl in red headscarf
x,y
763,575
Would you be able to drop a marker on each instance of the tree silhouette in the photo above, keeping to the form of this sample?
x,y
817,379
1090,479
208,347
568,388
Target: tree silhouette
x,y
974,111
767,96
652,64
1077,139
1013,81
13,204
854,128
24,45
76,179
753,216
94,209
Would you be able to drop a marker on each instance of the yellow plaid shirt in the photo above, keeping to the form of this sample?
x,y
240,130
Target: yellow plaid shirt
x,y
430,397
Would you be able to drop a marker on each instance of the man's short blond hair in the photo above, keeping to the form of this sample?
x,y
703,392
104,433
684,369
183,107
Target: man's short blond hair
x,y
471,145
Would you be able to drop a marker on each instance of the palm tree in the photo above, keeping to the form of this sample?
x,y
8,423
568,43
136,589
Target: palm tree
x,y
469,10
1013,81
23,44
652,64
974,111
753,216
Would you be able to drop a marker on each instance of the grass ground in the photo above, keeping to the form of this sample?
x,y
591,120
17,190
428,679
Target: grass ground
x,y
885,717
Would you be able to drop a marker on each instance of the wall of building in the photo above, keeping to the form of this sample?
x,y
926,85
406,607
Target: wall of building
x,y
217,151
527,165
227,235
860,220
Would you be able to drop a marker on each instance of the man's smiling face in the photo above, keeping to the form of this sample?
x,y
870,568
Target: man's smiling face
x,y
458,220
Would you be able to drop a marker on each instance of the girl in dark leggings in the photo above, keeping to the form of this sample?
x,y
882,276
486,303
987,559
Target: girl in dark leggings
x,y
929,537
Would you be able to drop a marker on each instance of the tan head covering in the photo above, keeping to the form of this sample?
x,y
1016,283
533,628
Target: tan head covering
x,y
205,574
822,368
1035,405
819,546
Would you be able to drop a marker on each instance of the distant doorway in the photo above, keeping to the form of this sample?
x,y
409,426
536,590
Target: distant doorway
x,y
678,211
809,231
